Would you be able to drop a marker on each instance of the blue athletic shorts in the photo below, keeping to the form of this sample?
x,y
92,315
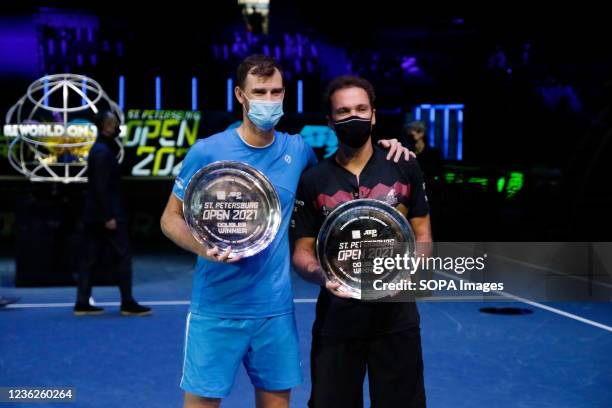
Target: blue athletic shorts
x,y
214,347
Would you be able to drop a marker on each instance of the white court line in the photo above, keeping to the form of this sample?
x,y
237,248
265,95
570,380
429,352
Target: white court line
x,y
541,306
42,305
560,312
306,300
152,303
51,305
187,302
542,268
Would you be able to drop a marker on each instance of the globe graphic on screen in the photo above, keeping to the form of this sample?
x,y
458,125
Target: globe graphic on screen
x,y
51,130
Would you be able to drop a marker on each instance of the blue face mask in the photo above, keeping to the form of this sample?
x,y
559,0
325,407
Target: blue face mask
x,y
265,114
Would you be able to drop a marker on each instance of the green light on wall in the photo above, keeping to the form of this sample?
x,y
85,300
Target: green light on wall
x,y
479,180
515,184
509,185
501,182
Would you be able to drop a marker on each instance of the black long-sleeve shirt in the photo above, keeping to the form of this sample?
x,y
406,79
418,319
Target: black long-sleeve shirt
x,y
103,201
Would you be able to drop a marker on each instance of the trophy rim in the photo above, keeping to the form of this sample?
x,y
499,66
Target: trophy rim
x,y
273,218
334,214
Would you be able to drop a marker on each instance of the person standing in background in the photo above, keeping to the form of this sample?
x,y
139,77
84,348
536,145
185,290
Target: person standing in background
x,y
105,222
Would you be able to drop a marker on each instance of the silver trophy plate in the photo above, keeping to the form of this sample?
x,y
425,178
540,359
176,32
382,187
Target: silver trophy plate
x,y
229,203
353,235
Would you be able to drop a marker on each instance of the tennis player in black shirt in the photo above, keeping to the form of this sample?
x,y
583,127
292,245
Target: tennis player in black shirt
x,y
350,336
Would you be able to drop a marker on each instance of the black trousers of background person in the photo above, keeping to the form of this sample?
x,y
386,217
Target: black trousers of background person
x,y
111,248
393,362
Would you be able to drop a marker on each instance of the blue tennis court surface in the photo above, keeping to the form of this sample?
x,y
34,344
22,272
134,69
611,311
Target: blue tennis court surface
x,y
547,358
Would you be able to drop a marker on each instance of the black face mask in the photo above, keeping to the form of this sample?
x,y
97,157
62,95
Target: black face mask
x,y
353,131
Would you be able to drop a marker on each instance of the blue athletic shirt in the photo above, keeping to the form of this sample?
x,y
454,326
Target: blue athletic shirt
x,y
260,285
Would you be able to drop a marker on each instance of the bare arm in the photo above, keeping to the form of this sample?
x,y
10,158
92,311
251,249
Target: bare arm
x,y
422,228
307,265
306,262
422,233
173,226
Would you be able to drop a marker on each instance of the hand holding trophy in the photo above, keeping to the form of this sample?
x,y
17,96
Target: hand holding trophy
x,y
353,235
232,209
